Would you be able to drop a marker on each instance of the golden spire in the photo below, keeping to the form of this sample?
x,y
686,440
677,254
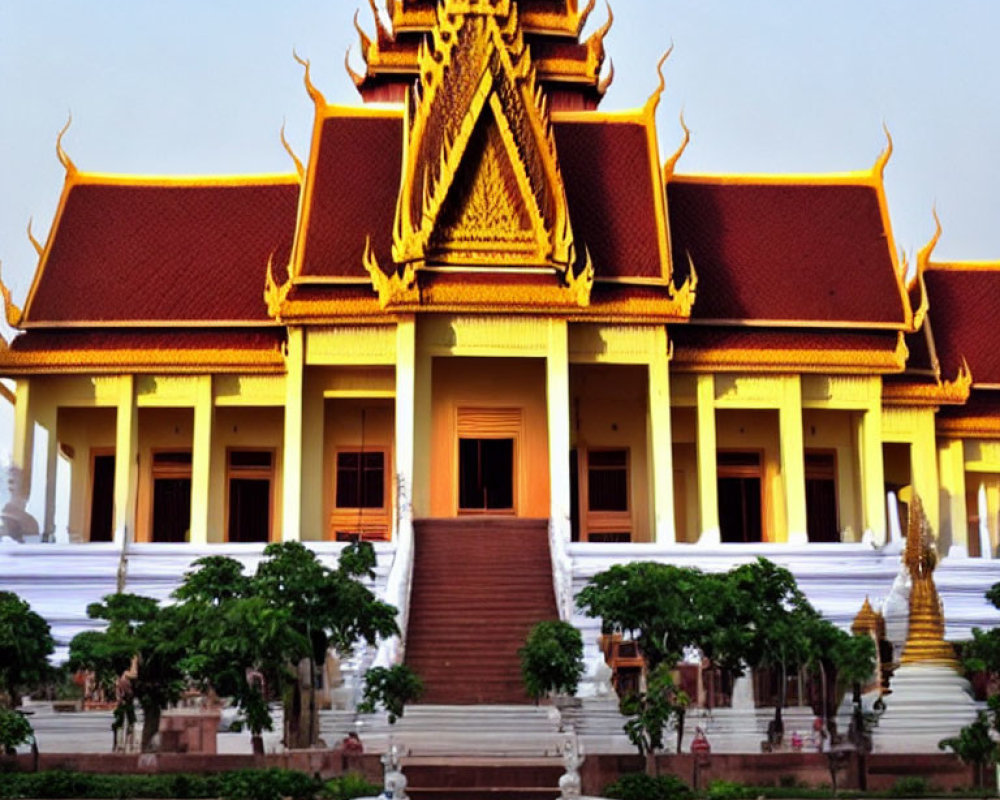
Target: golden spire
x,y
868,621
925,637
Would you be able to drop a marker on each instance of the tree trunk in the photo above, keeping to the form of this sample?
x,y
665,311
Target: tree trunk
x,y
150,727
680,730
257,742
301,719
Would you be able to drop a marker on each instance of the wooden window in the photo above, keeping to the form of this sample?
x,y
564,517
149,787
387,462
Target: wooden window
x,y
171,512
606,505
741,482
822,522
102,495
251,480
361,496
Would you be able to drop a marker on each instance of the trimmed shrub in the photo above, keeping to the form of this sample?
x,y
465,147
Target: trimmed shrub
x,y
268,784
910,786
730,790
349,786
640,786
552,659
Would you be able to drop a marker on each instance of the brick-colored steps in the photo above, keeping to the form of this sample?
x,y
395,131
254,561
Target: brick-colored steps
x,y
513,781
479,584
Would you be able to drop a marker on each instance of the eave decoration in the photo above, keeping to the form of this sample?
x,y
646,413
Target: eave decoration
x,y
481,185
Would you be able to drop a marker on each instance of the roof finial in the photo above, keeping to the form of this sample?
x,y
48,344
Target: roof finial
x,y
883,157
12,312
924,254
275,293
654,98
301,170
605,83
384,35
585,15
34,242
596,39
314,93
668,168
366,41
64,159
356,77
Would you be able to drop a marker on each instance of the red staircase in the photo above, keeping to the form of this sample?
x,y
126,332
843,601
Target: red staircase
x,y
479,584
492,781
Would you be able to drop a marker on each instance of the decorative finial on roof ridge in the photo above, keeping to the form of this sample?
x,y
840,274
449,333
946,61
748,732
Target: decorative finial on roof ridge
x,y
314,93
356,77
686,293
883,157
366,41
299,168
962,382
924,254
64,159
923,259
585,15
596,39
671,163
275,293
384,34
605,83
34,242
12,312
654,98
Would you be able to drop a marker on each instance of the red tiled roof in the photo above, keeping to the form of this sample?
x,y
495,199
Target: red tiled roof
x,y
607,170
963,308
791,252
353,195
133,252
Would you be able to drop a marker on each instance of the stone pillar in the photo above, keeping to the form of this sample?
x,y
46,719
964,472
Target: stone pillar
x,y
51,465
422,428
405,415
661,460
24,441
872,475
708,486
291,486
201,459
793,469
126,461
557,403
954,518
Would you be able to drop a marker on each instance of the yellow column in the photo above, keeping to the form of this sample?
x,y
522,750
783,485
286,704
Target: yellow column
x,y
24,441
872,475
923,467
51,464
126,461
661,461
557,399
291,494
201,459
954,518
708,486
406,340
793,468
422,415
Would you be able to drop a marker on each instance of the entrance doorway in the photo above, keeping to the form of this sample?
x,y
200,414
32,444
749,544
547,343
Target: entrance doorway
x,y
486,476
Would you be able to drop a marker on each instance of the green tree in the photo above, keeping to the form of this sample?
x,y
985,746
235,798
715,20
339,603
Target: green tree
x,y
25,645
238,644
652,711
14,730
390,688
140,633
974,745
329,608
551,659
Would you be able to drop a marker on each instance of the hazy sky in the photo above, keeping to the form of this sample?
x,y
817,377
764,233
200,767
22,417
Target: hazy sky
x,y
202,86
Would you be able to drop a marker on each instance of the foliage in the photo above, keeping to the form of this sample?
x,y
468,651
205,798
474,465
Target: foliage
x,y
349,786
974,744
650,712
25,645
552,659
138,629
729,790
268,784
58,784
910,786
14,730
390,688
640,786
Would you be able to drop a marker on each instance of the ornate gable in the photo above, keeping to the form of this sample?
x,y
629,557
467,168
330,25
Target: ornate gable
x,y
480,184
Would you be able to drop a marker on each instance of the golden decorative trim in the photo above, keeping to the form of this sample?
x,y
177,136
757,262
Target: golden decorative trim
x,y
356,77
39,248
314,93
605,83
75,361
274,294
671,163
581,285
595,42
970,427
299,169
64,159
654,99
12,312
965,266
883,158
399,288
685,295
939,393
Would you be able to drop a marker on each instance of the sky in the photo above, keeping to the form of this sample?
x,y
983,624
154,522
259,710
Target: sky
x,y
203,86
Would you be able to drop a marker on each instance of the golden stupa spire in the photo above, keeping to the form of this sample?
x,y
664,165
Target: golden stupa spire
x,y
925,637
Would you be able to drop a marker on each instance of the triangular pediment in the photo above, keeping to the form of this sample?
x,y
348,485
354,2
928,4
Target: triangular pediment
x,y
480,183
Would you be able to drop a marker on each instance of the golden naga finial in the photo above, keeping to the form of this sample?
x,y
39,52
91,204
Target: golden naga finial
x,y
12,312
654,98
923,260
605,83
579,286
883,157
399,287
355,76
366,41
584,16
671,163
34,242
301,170
686,293
596,40
384,35
924,254
925,636
275,293
314,93
958,389
64,159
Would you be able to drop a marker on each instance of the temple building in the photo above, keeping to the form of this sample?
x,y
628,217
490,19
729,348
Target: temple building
x,y
481,306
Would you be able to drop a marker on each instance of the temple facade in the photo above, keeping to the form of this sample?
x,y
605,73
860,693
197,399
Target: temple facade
x,y
480,297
